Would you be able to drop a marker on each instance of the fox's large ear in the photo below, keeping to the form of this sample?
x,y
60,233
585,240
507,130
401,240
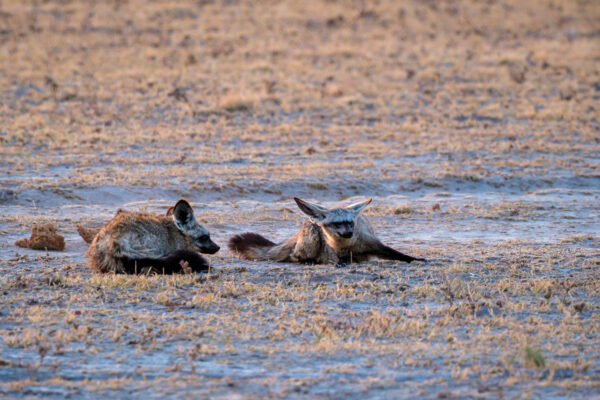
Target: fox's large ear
x,y
312,210
358,207
183,216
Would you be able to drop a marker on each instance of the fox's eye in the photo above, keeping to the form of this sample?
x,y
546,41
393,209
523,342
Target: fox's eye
x,y
203,238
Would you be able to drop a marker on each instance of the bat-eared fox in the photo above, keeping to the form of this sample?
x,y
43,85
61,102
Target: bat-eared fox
x,y
333,235
135,242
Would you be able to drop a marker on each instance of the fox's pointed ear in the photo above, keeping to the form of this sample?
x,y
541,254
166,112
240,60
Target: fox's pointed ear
x,y
183,215
170,211
312,210
358,207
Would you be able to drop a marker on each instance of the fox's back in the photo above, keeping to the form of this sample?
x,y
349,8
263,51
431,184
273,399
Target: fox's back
x,y
128,234
142,230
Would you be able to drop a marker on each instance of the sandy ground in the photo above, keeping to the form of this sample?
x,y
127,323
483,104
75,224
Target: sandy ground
x,y
473,125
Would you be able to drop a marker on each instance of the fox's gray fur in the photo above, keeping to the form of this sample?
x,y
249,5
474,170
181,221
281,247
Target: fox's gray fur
x,y
132,241
88,234
333,235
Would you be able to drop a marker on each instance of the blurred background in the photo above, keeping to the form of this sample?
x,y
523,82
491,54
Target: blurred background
x,y
293,97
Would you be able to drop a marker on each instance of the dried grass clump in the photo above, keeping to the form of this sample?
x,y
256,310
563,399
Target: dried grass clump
x,y
403,210
235,103
43,237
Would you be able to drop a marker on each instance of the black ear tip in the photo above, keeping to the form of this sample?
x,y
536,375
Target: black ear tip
x,y
300,202
182,202
182,206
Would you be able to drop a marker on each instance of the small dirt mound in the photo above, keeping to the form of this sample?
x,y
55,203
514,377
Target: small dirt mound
x,y
43,237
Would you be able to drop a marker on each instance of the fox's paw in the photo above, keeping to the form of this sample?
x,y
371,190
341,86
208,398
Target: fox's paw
x,y
340,265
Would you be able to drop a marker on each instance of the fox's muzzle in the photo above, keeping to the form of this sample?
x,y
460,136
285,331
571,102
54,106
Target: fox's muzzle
x,y
344,229
209,248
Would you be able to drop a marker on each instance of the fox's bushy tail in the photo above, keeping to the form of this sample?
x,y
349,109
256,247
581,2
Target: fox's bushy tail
x,y
253,246
87,234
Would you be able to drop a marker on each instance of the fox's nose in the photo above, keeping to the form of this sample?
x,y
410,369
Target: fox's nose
x,y
210,249
346,235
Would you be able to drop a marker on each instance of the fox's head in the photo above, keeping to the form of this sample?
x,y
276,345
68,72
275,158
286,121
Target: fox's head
x,y
339,221
183,217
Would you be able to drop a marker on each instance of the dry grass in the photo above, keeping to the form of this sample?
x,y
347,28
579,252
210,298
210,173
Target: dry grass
x,y
524,321
416,80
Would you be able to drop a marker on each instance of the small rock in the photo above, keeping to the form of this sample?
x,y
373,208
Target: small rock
x,y
179,94
334,22
567,92
7,195
517,73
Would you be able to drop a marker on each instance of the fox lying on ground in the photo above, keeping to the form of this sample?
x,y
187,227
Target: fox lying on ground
x,y
136,242
334,235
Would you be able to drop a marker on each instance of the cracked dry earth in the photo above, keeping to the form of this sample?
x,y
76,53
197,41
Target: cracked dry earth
x,y
473,125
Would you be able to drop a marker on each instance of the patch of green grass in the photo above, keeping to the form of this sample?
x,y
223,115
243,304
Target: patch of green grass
x,y
534,358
